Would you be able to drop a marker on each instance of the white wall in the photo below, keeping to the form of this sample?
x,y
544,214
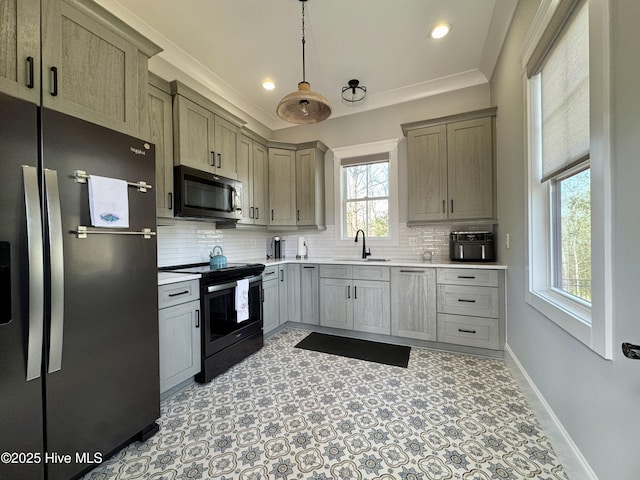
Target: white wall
x,y
597,401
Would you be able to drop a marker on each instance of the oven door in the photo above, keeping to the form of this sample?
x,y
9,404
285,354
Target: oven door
x,y
220,327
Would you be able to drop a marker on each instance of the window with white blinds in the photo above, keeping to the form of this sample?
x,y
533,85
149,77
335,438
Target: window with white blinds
x,y
564,83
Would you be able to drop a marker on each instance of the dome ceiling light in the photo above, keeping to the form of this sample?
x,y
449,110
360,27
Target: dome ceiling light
x,y
354,92
303,106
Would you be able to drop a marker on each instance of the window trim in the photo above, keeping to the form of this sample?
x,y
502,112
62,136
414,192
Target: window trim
x,y
389,147
592,327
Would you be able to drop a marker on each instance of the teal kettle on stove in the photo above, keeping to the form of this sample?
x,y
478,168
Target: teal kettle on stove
x,y
217,260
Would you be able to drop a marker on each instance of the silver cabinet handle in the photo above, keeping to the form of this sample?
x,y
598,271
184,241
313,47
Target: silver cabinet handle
x,y
54,217
219,160
198,318
257,213
36,275
251,210
413,271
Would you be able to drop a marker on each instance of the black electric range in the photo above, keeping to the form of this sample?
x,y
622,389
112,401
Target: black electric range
x,y
211,276
231,322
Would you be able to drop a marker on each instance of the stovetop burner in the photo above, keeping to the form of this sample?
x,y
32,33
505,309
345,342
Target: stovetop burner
x,y
233,271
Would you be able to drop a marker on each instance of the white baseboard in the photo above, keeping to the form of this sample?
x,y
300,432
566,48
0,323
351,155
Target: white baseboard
x,y
575,465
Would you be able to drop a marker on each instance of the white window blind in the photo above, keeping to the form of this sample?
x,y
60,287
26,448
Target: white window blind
x,y
564,79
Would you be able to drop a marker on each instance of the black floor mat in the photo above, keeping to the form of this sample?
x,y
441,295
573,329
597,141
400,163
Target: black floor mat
x,y
396,355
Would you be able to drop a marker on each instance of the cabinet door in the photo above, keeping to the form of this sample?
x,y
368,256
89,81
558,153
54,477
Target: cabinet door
x,y
89,71
309,306
283,293
245,175
226,141
413,303
427,172
282,187
161,134
270,305
306,187
470,167
336,304
20,49
371,310
179,343
260,197
194,129
293,292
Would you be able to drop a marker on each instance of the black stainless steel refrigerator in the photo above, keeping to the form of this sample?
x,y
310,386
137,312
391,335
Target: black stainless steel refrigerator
x,y
78,310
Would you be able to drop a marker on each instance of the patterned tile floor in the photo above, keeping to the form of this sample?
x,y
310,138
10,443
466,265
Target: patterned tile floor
x,y
286,413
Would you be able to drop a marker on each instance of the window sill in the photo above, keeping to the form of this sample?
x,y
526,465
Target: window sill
x,y
571,316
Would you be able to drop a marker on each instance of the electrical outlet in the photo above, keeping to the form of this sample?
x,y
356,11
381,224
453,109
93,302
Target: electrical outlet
x,y
413,241
506,240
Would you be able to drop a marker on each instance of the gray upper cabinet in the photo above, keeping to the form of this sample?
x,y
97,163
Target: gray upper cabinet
x,y
20,49
252,167
205,136
94,66
161,134
282,187
310,187
296,185
451,166
427,169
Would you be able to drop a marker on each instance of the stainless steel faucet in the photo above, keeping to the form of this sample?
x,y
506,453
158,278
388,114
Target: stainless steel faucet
x,y
365,253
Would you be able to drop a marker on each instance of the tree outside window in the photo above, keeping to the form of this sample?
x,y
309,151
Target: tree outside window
x,y
366,199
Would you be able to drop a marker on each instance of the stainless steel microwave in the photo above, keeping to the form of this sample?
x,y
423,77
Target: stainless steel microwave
x,y
200,194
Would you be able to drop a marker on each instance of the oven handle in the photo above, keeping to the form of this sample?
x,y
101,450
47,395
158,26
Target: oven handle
x,y
227,286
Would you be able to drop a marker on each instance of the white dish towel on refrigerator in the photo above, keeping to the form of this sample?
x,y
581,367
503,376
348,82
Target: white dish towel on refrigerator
x,y
242,300
108,202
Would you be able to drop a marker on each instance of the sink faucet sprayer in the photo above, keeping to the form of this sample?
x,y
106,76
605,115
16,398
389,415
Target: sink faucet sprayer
x,y
365,253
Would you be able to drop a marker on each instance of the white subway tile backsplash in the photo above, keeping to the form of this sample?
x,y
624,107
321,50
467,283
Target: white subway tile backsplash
x,y
191,242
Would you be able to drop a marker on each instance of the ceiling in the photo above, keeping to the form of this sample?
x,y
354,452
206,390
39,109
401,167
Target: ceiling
x,y
231,46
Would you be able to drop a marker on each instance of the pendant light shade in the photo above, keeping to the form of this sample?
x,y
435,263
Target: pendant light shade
x,y
303,106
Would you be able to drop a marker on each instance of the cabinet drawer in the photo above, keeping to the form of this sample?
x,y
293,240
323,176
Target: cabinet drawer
x,y
465,300
177,293
270,273
471,331
468,276
371,272
336,271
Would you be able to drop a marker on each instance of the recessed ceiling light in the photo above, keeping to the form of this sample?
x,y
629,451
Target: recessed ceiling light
x,y
268,85
440,30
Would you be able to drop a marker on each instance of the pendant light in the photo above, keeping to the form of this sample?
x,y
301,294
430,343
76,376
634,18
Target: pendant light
x,y
303,106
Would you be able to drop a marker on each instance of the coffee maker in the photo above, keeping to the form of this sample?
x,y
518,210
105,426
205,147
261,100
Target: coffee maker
x,y
277,247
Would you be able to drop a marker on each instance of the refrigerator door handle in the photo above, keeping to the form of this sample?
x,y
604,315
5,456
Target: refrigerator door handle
x,y
56,255
36,273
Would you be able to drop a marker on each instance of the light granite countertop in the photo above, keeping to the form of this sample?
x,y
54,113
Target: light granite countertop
x,y
165,278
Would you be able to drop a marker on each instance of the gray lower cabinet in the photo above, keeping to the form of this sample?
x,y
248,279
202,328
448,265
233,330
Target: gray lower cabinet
x,y
289,292
349,299
413,303
270,299
179,327
309,294
336,307
470,307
